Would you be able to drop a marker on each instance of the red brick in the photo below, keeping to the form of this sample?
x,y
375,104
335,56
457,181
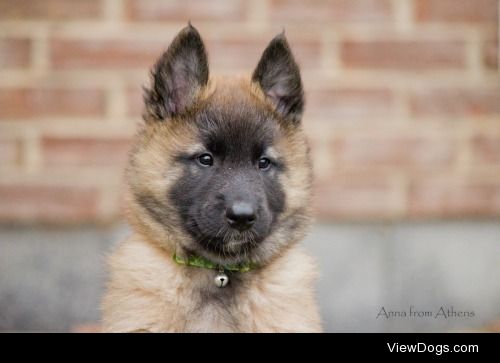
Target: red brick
x,y
457,11
355,197
490,54
403,55
359,172
14,53
50,9
398,152
9,151
244,53
455,102
287,11
486,149
349,103
34,103
135,103
107,53
181,10
114,54
50,204
84,151
441,199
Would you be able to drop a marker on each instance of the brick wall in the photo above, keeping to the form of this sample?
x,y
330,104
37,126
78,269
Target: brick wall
x,y
403,99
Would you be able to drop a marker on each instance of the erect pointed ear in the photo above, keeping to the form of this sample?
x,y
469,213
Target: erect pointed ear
x,y
177,76
279,77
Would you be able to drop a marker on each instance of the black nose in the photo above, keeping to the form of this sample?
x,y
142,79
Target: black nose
x,y
241,215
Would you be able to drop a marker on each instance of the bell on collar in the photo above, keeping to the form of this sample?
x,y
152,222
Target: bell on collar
x,y
221,279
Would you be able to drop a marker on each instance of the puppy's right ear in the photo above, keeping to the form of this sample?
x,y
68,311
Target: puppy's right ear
x,y
177,77
278,75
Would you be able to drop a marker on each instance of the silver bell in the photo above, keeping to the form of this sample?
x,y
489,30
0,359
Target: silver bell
x,y
221,279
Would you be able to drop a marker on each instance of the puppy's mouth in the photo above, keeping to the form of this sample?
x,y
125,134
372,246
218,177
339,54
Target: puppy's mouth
x,y
231,242
223,240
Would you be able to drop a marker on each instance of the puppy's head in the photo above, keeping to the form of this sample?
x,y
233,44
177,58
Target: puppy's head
x,y
221,167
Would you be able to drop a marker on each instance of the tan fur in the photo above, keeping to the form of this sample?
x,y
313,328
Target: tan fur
x,y
148,291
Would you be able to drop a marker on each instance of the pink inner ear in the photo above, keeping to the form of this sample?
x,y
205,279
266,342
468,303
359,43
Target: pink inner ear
x,y
180,96
276,92
172,105
278,89
182,86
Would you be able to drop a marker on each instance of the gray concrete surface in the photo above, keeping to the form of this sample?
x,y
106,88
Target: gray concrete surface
x,y
52,280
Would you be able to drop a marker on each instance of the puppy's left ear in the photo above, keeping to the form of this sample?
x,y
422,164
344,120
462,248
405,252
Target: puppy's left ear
x,y
278,75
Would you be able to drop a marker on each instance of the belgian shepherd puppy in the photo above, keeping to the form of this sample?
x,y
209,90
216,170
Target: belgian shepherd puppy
x,y
218,198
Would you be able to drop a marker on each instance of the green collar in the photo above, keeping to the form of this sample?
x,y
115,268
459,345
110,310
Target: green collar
x,y
198,261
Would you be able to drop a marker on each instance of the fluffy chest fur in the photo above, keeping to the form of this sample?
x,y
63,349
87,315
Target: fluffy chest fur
x,y
148,292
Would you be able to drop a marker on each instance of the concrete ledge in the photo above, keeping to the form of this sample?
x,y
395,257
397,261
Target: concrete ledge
x,y
52,280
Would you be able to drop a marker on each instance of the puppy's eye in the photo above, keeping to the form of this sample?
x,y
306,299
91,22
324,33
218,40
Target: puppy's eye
x,y
206,159
264,163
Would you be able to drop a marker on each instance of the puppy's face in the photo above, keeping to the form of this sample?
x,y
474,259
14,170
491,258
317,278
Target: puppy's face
x,y
221,168
229,194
